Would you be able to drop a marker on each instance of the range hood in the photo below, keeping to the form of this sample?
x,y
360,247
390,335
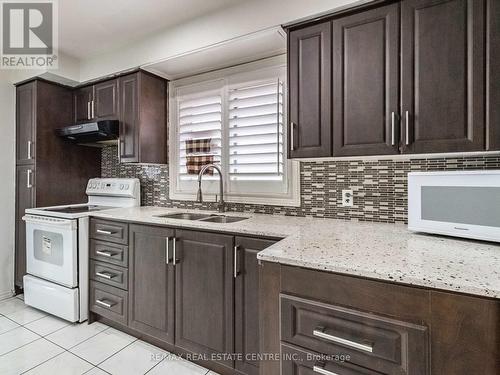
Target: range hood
x,y
99,133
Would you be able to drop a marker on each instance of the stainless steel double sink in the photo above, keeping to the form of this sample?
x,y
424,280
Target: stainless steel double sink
x,y
210,218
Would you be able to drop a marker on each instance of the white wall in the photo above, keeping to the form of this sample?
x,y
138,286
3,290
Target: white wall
x,y
242,19
69,68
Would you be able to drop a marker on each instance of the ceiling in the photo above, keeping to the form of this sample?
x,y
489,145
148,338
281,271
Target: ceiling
x,y
90,27
251,47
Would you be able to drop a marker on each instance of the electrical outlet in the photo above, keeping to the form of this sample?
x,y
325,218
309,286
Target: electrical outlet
x,y
347,198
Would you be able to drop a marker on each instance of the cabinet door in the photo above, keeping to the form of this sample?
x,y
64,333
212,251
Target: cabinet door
x,y
25,198
443,75
129,118
366,82
82,100
493,75
246,299
204,319
151,281
25,123
309,64
105,105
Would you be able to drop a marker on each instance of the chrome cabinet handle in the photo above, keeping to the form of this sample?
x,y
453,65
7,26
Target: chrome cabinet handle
x,y
100,231
105,275
108,254
88,110
292,136
92,108
320,332
235,269
407,121
30,143
393,128
105,304
321,370
119,151
174,252
29,183
167,250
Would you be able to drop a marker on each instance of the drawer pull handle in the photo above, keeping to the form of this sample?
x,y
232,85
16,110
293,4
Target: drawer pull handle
x,y
104,304
108,254
321,370
105,275
319,332
109,233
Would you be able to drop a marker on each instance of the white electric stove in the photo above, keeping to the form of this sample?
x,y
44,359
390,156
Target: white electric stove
x,y
57,248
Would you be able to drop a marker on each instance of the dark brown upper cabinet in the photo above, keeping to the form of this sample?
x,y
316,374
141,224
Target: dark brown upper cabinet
x,y
246,292
142,115
366,82
309,69
443,75
151,282
25,124
96,102
204,293
82,101
106,100
493,75
415,76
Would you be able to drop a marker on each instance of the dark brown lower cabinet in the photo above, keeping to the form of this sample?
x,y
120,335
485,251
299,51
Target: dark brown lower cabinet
x,y
25,198
187,291
383,327
151,282
204,294
246,308
297,361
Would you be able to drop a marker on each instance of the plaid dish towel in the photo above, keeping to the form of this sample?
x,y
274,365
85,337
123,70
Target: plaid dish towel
x,y
194,146
196,162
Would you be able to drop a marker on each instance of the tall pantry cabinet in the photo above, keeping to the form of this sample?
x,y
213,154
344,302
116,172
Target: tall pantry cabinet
x,y
48,170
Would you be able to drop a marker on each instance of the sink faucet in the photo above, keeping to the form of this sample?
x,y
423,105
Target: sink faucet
x,y
199,197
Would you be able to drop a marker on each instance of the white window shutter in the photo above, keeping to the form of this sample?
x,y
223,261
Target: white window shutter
x,y
199,117
256,132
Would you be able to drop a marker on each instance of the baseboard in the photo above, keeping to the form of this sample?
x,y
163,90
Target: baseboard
x,y
5,295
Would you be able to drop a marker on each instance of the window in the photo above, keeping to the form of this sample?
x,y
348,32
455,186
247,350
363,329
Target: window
x,y
235,120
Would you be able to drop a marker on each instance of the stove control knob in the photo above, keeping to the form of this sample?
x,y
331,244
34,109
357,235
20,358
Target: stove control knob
x,y
126,187
122,187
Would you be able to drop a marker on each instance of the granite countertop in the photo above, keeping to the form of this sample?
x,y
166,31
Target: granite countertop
x,y
373,250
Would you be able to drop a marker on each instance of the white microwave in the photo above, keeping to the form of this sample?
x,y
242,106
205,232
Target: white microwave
x,y
462,203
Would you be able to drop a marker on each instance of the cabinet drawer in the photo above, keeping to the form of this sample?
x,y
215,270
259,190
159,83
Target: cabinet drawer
x,y
109,302
296,361
109,253
371,341
109,231
108,274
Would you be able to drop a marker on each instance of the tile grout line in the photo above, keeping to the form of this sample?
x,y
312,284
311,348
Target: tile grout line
x,y
41,363
22,346
68,349
126,346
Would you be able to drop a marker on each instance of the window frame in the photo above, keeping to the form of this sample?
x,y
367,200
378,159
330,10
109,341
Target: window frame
x,y
229,77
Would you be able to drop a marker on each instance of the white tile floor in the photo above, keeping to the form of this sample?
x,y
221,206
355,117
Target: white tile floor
x,y
32,342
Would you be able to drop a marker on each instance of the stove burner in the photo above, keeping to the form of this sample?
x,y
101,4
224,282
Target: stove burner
x,y
78,209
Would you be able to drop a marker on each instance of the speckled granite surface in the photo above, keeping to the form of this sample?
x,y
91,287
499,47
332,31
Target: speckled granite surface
x,y
374,250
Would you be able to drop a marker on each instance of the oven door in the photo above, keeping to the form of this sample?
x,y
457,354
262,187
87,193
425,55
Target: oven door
x,y
52,249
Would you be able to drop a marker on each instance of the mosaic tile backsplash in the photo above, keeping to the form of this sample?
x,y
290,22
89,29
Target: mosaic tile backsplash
x,y
379,186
